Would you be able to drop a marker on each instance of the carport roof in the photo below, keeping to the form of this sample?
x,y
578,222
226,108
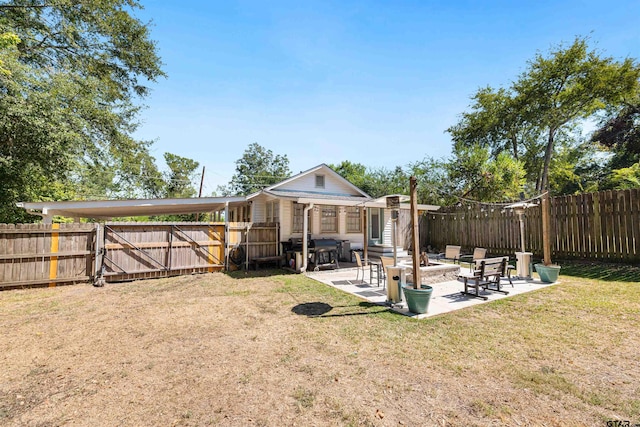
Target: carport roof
x,y
121,208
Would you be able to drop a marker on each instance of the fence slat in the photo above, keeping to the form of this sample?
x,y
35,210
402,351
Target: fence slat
x,y
602,225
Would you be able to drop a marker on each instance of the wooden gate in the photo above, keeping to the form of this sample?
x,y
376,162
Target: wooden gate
x,y
148,250
46,254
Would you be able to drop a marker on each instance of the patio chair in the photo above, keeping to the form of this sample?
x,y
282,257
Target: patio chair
x,y
359,265
478,253
451,252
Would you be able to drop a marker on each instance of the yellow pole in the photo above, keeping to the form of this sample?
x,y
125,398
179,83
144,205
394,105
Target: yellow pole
x,y
211,247
53,263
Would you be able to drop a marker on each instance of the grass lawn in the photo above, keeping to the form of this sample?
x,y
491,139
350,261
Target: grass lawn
x,y
251,349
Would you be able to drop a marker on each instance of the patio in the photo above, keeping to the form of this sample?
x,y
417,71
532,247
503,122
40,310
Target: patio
x,y
446,295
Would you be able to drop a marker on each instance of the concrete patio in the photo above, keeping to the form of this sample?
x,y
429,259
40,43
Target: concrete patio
x,y
446,295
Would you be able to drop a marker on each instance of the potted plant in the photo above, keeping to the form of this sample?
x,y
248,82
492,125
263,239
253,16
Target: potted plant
x,y
418,295
548,273
417,298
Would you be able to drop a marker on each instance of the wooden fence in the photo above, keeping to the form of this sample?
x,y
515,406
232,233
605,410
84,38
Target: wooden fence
x,y
256,239
599,226
41,254
148,250
45,254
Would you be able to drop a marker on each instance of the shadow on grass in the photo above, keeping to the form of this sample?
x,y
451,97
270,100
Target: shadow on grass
x,y
610,272
321,309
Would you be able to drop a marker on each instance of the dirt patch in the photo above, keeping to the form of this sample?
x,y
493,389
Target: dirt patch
x,y
284,350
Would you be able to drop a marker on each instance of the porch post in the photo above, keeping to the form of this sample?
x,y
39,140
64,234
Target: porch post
x,y
365,236
226,236
305,242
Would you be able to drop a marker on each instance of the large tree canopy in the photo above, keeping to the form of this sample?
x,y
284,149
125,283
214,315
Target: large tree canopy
x,y
619,132
545,104
72,74
256,169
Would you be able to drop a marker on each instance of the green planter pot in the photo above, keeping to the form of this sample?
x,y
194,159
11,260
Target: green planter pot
x,y
417,299
548,273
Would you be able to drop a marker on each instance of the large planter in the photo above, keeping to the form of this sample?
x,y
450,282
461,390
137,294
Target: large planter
x,y
417,299
548,273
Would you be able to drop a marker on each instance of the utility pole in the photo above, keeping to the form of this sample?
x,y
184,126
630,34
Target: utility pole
x,y
200,192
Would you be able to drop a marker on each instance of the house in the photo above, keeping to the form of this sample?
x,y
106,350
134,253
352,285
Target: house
x,y
317,203
320,203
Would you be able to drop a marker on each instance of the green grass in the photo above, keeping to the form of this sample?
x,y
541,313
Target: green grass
x,y
573,345
604,271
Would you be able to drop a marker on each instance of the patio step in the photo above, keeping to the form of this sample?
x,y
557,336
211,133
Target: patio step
x,y
378,251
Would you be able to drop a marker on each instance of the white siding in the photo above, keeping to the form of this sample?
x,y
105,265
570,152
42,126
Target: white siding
x,y
388,226
258,209
286,220
332,185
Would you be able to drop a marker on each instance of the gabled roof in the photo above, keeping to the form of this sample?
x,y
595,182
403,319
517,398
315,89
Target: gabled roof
x,y
320,168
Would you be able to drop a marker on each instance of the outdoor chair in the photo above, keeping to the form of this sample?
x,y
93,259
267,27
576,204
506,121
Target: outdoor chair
x,y
451,253
478,253
360,266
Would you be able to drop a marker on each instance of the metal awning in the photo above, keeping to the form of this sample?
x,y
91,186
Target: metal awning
x,y
122,208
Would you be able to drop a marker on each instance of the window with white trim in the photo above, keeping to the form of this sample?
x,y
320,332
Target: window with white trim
x,y
297,220
319,181
328,219
354,219
273,211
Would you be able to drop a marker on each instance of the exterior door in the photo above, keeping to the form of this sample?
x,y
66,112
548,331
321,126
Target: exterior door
x,y
376,226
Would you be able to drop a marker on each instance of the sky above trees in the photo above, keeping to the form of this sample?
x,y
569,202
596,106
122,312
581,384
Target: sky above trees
x,y
376,83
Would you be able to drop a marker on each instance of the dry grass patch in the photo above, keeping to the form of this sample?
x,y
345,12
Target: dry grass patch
x,y
282,349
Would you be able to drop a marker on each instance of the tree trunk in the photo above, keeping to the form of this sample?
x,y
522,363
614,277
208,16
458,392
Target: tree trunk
x,y
544,181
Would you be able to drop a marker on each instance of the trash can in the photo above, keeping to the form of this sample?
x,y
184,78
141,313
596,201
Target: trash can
x,y
523,266
396,278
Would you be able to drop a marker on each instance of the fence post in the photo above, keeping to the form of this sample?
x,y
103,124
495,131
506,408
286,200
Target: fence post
x,y
98,280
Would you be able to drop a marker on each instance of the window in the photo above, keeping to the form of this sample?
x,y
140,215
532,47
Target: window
x,y
298,211
375,224
319,181
273,211
245,213
329,219
354,222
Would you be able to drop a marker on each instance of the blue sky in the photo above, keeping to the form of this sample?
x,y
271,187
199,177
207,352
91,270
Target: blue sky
x,y
373,82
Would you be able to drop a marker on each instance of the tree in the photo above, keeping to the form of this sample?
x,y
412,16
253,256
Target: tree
x,y
355,173
71,75
179,179
571,84
256,169
483,178
619,132
545,106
